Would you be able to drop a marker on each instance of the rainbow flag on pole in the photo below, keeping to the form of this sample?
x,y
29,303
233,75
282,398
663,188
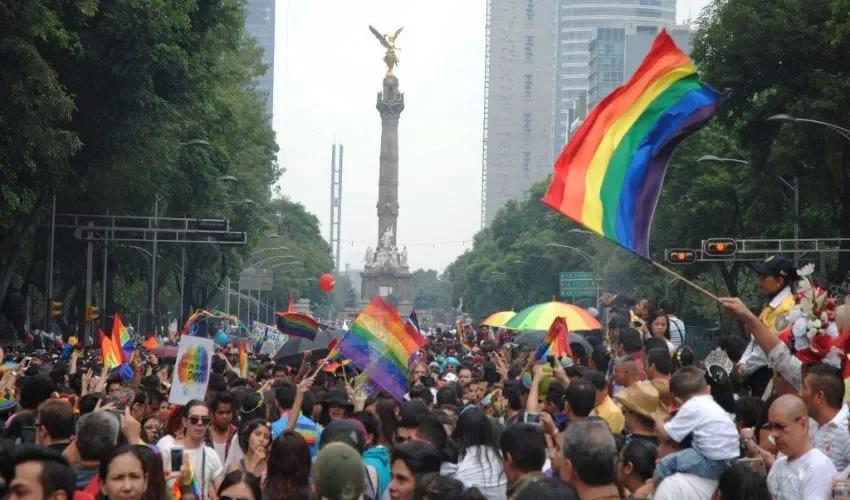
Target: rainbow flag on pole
x,y
609,176
556,343
380,342
112,356
297,325
151,342
196,489
467,347
243,358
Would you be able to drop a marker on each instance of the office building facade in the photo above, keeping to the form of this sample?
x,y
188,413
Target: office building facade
x,y
259,24
518,109
616,53
577,25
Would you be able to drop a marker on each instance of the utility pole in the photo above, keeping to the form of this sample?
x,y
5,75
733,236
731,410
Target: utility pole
x,y
89,263
154,224
49,287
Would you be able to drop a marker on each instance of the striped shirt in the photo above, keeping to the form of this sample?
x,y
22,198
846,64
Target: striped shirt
x,y
677,330
833,439
304,426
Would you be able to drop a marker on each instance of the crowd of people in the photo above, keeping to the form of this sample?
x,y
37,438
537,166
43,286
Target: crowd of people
x,y
636,416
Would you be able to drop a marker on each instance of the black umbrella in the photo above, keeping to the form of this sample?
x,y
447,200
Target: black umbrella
x,y
533,338
291,352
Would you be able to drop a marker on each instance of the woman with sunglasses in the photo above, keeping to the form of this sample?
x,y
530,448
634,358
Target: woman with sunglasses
x,y
150,428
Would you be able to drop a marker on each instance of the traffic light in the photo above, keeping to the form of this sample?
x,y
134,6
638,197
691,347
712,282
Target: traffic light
x,y
680,256
719,247
92,313
55,309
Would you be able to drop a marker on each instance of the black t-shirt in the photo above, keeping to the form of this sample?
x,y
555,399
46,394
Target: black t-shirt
x,y
13,431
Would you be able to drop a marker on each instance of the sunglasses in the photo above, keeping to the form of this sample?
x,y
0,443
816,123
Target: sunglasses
x,y
400,439
775,426
197,419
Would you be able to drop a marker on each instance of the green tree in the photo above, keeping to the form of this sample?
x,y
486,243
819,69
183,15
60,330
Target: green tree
x,y
430,290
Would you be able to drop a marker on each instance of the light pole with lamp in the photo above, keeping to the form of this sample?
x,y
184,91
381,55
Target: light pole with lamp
x,y
594,264
843,132
793,186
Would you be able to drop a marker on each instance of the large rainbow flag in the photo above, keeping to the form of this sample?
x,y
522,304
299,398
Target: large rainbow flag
x,y
609,176
381,343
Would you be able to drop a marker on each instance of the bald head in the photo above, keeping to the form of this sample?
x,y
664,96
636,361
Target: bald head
x,y
789,423
790,407
626,371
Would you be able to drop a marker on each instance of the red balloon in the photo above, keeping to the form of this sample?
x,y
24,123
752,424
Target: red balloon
x,y
327,282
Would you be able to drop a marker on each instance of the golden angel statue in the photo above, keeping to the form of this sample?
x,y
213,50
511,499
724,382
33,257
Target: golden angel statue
x,y
388,41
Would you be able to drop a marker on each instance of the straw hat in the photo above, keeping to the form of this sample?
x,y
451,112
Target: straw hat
x,y
642,399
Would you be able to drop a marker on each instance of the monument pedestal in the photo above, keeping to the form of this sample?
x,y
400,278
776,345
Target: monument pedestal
x,y
392,285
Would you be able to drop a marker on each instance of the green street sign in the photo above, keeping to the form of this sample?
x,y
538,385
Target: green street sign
x,y
577,284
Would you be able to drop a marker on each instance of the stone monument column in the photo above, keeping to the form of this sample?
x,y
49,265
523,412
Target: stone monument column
x,y
390,105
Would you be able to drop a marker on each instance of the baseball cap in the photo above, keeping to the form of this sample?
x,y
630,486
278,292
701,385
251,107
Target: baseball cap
x,y
777,266
338,472
348,431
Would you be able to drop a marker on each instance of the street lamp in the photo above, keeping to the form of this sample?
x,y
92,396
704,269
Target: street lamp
x,y
784,117
246,201
580,231
793,186
594,264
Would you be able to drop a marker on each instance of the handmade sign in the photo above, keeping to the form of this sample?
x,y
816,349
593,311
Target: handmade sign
x,y
192,370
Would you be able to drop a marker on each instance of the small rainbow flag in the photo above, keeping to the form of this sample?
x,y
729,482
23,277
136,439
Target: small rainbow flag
x,y
123,334
297,325
467,347
151,342
243,358
196,489
609,176
556,342
380,342
333,366
112,356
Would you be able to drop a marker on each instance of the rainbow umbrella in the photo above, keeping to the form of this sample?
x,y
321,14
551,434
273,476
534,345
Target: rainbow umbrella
x,y
541,316
498,319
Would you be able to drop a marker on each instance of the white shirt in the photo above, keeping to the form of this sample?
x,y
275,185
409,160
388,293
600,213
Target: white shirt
x,y
754,357
680,486
714,433
220,450
484,472
808,477
833,439
202,456
236,454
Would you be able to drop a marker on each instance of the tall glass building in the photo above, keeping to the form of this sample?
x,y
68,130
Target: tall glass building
x,y
577,24
259,24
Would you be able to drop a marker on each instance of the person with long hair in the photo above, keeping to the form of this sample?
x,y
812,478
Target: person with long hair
x,y
240,485
288,471
254,439
156,489
124,474
480,462
410,462
722,390
387,411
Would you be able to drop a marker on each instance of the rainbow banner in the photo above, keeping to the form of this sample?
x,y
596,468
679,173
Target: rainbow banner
x,y
556,343
609,176
297,324
380,342
196,489
467,347
243,358
189,328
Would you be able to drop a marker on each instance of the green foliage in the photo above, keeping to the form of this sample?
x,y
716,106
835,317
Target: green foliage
x,y
101,98
431,291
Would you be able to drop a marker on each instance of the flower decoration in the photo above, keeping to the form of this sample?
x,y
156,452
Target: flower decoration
x,y
812,323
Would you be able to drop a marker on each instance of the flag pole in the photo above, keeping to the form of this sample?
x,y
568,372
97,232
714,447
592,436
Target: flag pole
x,y
686,280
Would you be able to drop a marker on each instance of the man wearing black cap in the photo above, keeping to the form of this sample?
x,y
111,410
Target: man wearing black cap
x,y
776,276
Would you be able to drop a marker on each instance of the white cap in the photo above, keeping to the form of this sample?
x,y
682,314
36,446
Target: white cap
x,y
450,377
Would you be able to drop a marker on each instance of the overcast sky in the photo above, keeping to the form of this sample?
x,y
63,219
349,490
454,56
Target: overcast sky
x,y
328,68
